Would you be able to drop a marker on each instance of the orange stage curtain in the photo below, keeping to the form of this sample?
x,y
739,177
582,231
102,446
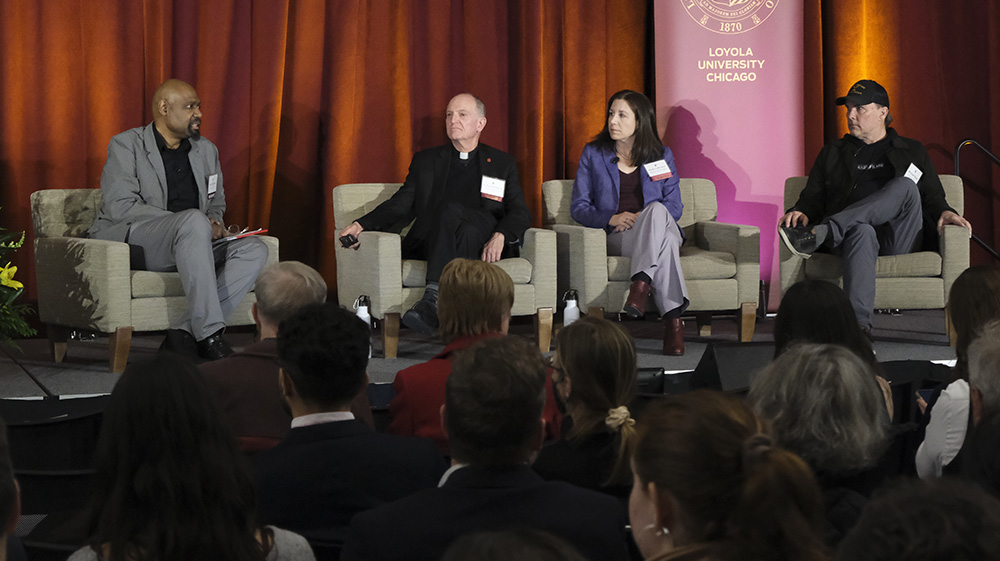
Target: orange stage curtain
x,y
303,96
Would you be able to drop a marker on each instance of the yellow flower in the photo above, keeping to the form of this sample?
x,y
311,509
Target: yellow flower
x,y
7,277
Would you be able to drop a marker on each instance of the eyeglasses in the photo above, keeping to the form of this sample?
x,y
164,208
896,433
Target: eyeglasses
x,y
234,230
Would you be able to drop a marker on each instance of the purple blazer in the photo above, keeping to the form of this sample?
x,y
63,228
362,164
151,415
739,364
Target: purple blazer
x,y
598,185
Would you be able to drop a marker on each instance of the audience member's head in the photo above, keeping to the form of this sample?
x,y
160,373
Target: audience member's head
x,y
169,482
926,520
817,311
984,371
493,402
824,405
981,453
973,301
283,289
323,353
520,544
594,370
474,297
9,502
706,472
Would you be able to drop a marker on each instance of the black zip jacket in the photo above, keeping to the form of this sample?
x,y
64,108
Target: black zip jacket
x,y
830,181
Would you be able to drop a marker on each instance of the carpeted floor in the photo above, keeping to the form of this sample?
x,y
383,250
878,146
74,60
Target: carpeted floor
x,y
28,372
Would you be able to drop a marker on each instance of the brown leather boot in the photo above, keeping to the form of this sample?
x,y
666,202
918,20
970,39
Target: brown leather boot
x,y
673,336
635,304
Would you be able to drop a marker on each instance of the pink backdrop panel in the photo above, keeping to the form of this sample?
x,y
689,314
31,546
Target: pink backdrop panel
x,y
729,103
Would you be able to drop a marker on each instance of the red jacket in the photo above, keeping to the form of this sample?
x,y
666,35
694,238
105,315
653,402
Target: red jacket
x,y
420,389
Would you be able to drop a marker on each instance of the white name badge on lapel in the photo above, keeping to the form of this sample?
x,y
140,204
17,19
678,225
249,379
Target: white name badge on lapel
x,y
492,188
658,170
914,173
213,185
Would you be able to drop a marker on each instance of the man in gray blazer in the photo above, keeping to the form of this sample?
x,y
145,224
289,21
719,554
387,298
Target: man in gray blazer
x,y
162,193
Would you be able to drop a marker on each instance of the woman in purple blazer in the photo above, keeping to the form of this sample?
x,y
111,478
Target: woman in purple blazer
x,y
627,184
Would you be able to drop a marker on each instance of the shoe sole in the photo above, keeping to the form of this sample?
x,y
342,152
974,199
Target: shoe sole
x,y
414,321
788,244
633,312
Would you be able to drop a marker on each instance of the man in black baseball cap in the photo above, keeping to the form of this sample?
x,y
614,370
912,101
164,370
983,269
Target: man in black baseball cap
x,y
869,193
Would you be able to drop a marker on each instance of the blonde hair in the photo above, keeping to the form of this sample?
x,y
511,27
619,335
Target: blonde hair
x,y
474,297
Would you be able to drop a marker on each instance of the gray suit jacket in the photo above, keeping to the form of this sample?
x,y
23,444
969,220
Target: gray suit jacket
x,y
134,184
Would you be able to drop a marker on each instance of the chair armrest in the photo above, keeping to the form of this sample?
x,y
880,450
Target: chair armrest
x,y
540,250
954,248
83,283
744,243
375,269
272,249
583,263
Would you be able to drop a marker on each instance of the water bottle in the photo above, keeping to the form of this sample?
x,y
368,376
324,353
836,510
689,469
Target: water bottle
x,y
571,312
362,306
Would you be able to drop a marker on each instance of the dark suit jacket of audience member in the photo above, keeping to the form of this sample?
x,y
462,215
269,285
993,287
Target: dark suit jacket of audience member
x,y
488,498
585,462
246,387
420,392
320,476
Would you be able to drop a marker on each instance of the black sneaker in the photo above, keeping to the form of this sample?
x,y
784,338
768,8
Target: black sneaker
x,y
800,240
422,317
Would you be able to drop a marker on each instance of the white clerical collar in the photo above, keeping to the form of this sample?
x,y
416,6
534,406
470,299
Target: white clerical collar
x,y
451,470
318,418
463,155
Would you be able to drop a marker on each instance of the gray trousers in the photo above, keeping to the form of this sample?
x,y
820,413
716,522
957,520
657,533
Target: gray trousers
x,y
654,244
887,222
215,278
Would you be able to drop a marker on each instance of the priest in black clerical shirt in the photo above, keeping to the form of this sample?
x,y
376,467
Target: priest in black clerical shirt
x,y
465,200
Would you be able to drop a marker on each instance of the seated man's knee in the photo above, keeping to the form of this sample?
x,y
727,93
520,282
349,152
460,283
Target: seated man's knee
x,y
193,222
907,186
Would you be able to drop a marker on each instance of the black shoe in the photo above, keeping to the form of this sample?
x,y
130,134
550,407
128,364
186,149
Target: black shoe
x,y
214,347
181,343
800,240
422,317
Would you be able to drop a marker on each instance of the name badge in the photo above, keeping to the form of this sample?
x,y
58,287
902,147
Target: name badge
x,y
492,188
658,170
914,173
213,185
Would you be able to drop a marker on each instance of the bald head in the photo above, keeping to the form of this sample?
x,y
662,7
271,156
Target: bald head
x,y
464,120
177,112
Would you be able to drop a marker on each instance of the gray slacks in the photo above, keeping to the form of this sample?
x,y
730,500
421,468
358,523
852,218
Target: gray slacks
x,y
887,222
215,278
654,244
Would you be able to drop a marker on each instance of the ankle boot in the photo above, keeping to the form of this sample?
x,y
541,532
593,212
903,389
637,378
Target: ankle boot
x,y
673,336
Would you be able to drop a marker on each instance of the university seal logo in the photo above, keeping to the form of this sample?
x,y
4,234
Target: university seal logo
x,y
729,17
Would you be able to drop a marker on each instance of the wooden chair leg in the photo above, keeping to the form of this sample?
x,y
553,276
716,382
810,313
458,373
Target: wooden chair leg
x,y
390,335
543,328
58,335
747,321
119,344
596,311
704,320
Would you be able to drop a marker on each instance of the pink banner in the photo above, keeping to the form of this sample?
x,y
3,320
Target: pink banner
x,y
729,101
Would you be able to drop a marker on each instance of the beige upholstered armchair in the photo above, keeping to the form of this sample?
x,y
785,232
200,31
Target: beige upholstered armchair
x,y
86,284
394,284
914,281
721,262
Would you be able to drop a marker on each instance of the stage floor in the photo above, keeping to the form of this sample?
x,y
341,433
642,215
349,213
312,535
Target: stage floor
x,y
30,373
